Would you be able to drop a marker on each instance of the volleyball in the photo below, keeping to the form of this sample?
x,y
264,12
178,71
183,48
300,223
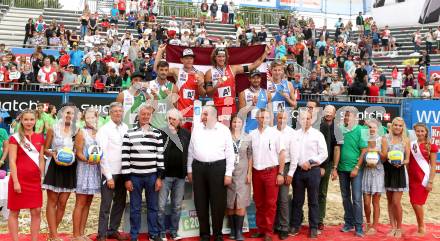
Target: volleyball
x,y
372,158
65,157
94,153
395,157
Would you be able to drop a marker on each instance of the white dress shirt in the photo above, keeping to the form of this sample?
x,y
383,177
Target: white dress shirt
x,y
309,146
109,138
266,147
209,145
287,136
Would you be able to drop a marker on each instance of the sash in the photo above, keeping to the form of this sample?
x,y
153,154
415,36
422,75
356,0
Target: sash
x,y
421,161
29,149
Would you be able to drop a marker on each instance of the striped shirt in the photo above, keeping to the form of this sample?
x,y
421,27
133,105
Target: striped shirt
x,y
142,152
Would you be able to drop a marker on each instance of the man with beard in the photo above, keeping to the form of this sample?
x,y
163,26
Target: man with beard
x,y
251,100
165,94
328,130
132,98
220,81
189,82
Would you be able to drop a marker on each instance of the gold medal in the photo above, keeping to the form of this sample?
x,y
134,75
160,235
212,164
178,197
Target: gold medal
x,y
224,78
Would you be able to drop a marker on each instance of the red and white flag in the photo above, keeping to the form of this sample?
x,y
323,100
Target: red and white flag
x,y
237,56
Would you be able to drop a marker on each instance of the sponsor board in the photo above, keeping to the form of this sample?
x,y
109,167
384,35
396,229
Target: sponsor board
x,y
100,102
428,112
14,102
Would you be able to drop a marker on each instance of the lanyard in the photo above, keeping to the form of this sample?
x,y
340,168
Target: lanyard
x,y
237,145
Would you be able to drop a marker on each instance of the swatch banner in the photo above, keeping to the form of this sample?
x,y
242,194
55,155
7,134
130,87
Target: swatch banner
x,y
237,56
428,112
13,102
100,102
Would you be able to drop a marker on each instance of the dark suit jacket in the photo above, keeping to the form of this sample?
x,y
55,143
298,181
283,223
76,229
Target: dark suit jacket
x,y
184,137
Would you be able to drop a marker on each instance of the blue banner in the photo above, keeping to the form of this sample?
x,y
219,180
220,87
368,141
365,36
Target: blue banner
x,y
432,70
27,52
428,112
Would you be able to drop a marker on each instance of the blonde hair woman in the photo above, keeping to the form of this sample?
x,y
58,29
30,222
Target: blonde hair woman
x,y
396,142
26,163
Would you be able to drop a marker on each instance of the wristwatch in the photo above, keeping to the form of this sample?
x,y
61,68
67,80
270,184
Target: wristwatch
x,y
357,167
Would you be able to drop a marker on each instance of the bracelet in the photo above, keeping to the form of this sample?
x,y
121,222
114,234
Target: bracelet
x,y
357,167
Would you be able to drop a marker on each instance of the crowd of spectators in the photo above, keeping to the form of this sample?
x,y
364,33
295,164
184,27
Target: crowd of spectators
x,y
103,54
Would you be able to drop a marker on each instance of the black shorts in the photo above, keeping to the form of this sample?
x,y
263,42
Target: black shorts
x,y
121,12
384,42
115,21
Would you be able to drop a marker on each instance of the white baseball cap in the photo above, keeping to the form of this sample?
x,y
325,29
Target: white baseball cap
x,y
187,52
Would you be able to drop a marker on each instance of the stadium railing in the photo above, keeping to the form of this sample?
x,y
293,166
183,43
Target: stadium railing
x,y
39,87
37,4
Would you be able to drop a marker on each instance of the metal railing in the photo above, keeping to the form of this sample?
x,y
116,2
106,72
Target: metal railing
x,y
37,4
305,73
250,15
39,87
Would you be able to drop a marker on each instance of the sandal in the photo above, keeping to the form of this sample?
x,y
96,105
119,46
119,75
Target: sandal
x,y
398,233
55,239
371,231
86,238
391,233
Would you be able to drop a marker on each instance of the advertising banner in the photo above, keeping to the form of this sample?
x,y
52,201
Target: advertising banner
x,y
98,101
365,110
431,71
428,112
415,11
13,101
188,224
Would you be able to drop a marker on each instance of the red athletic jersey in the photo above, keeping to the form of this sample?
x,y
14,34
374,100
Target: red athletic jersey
x,y
121,5
187,85
225,94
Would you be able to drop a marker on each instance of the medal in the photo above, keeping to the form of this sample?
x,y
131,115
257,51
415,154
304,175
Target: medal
x,y
224,78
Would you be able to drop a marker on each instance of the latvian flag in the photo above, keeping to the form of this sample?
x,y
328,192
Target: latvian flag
x,y
237,56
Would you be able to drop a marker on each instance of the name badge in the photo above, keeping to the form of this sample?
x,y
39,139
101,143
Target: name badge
x,y
189,94
224,92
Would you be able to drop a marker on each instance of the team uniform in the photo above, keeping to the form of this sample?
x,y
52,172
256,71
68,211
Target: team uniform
x,y
224,97
130,106
262,101
279,103
163,103
188,91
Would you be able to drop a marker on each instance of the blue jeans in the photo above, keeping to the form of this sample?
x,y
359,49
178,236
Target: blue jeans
x,y
396,91
83,31
177,188
351,192
151,196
